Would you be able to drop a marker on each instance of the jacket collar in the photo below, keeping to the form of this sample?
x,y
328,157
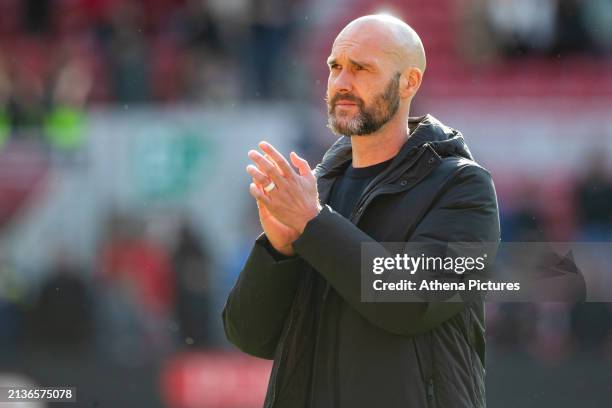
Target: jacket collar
x,y
424,130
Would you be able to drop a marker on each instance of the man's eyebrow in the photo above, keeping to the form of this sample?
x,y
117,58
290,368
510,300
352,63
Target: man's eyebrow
x,y
361,63
333,61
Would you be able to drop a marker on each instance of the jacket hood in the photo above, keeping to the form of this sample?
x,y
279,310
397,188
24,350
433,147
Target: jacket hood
x,y
426,129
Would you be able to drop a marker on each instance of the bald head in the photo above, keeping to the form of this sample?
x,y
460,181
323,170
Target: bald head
x,y
376,67
393,36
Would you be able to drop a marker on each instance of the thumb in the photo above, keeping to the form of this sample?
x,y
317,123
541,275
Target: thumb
x,y
301,164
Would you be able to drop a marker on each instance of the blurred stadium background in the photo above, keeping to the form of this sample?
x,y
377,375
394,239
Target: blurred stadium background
x,y
124,211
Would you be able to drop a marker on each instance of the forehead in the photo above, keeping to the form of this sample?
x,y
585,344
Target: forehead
x,y
361,46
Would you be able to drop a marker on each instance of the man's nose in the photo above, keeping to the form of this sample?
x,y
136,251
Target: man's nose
x,y
341,83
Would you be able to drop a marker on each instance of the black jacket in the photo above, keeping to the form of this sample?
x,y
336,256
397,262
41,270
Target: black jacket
x,y
360,354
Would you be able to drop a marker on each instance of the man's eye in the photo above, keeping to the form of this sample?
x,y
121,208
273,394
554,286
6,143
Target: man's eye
x,y
359,68
335,66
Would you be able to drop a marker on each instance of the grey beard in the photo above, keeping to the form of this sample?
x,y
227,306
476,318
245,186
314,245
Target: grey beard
x,y
353,127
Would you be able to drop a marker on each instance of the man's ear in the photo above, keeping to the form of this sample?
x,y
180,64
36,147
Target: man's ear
x,y
410,82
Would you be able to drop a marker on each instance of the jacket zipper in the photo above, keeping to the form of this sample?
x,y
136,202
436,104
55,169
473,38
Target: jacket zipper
x,y
426,376
430,381
430,391
369,195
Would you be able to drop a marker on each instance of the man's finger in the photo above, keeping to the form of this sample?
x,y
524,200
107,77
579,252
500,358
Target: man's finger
x,y
301,164
258,194
263,210
278,158
258,177
267,167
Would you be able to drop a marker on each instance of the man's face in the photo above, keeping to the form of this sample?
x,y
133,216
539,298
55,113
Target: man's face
x,y
362,89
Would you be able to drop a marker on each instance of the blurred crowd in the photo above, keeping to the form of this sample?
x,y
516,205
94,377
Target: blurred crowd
x,y
577,209
143,298
551,28
59,56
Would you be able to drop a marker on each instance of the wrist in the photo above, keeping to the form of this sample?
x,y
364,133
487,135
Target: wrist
x,y
279,253
307,219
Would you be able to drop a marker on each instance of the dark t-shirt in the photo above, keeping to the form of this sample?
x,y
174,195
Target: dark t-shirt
x,y
348,188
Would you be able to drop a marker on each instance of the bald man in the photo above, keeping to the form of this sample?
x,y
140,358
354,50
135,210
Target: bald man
x,y
388,178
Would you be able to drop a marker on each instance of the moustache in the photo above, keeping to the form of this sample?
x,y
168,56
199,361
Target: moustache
x,y
344,97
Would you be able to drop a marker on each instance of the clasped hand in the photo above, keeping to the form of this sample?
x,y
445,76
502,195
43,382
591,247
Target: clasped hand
x,y
285,209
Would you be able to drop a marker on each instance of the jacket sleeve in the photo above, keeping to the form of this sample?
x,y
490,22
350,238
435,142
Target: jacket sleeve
x,y
256,308
465,212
